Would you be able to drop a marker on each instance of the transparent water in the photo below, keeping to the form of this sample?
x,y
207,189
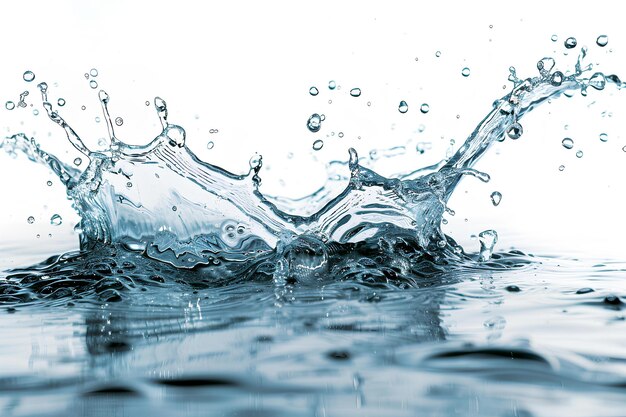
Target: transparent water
x,y
194,293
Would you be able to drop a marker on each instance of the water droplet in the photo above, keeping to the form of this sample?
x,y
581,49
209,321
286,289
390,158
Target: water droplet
x,y
602,41
49,183
56,220
93,72
29,76
567,143
465,72
425,108
488,240
210,145
561,168
604,137
403,107
9,105
597,81
570,42
369,103
515,131
176,135
318,144
554,38
78,161
61,102
355,92
579,154
119,121
83,107
624,148
322,117
340,134
332,85
314,124
256,161
330,102
174,208
313,91
30,220
86,75
35,112
438,54
557,78
147,103
496,197
129,184
97,119
93,84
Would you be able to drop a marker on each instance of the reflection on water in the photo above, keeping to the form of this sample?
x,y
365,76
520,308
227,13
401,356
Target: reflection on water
x,y
534,340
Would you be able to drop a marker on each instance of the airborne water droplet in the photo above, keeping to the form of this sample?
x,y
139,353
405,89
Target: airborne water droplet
x,y
29,76
30,220
61,102
425,108
570,42
78,161
488,240
597,81
604,137
515,131
56,220
579,154
602,41
9,105
119,121
313,91
496,197
438,54
93,84
567,143
554,38
210,145
561,168
318,144
49,183
557,78
355,92
93,72
465,72
147,103
340,134
332,85
403,107
314,124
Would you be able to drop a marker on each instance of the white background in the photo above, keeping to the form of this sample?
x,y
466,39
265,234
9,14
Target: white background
x,y
245,68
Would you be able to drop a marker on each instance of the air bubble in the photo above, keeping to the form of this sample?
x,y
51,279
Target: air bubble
x,y
496,197
174,208
567,143
30,220
602,41
424,108
83,108
604,137
93,72
332,85
579,154
314,91
515,131
355,92
403,107
340,134
369,103
78,161
29,76
93,84
9,105
465,72
61,102
570,42
318,144
119,121
314,124
210,145
56,220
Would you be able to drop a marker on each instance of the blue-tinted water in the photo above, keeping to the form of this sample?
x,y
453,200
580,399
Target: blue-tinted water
x,y
196,294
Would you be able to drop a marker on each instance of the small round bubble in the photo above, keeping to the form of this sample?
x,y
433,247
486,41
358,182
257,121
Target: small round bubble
x,y
97,119
554,38
355,92
570,42
174,208
332,85
314,124
29,76
56,220
83,107
403,107
129,184
61,102
561,168
579,154
35,112
340,134
49,183
93,84
210,145
515,131
424,108
93,72
496,197
30,220
318,144
438,54
604,137
314,91
78,161
602,41
147,103
119,121
9,105
567,143
465,72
